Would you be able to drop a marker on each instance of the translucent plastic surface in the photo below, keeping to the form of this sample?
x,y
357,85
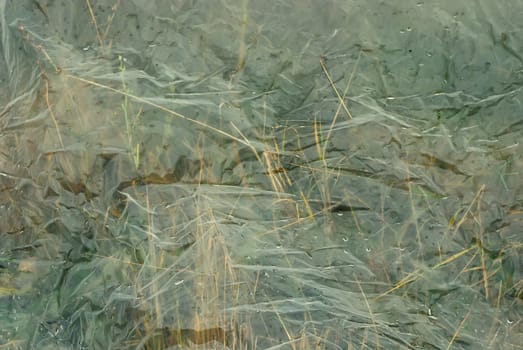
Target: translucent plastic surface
x,y
298,174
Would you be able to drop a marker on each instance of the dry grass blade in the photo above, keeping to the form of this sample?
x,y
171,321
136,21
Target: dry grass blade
x,y
52,114
460,326
331,82
170,112
464,216
454,257
415,275
93,18
411,277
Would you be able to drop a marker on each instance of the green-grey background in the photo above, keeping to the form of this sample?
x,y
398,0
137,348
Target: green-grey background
x,y
434,89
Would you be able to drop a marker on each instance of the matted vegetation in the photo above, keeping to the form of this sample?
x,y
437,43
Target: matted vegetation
x,y
189,196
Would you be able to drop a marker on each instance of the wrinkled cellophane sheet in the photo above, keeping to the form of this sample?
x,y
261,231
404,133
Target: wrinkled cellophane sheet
x,y
273,174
